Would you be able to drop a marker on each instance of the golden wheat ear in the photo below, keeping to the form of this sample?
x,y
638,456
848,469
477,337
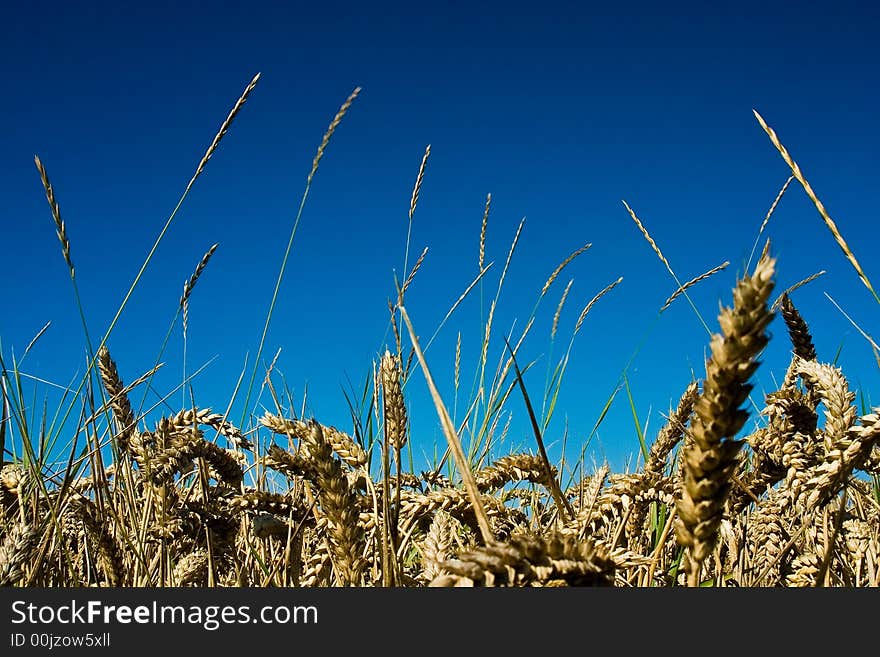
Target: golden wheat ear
x,y
710,460
339,502
122,413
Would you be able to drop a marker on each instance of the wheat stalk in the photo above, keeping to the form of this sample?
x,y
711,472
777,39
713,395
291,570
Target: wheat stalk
x,y
451,436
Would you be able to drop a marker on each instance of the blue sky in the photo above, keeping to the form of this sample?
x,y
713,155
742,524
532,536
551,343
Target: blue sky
x,y
559,110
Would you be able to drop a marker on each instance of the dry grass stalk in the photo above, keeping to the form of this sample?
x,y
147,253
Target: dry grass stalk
x,y
418,186
835,231
710,460
330,130
413,272
683,288
454,306
223,129
589,306
451,435
37,337
770,214
191,283
559,310
562,265
457,372
510,251
874,346
60,228
663,259
648,237
775,203
483,227
792,288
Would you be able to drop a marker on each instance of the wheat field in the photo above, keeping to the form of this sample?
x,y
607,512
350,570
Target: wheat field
x,y
193,499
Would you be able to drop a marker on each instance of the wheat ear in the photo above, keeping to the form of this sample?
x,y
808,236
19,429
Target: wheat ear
x,y
125,421
16,551
711,458
339,502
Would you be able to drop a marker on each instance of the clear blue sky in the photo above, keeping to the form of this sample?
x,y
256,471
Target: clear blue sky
x,y
559,110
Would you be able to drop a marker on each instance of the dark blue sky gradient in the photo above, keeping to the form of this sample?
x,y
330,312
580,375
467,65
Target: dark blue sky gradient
x,y
559,110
